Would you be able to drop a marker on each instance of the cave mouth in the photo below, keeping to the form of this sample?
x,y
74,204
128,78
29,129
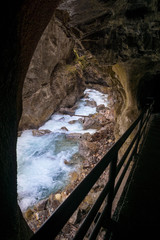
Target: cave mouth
x,y
30,19
149,90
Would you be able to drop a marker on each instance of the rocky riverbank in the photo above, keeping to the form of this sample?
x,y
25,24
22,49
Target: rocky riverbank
x,y
92,147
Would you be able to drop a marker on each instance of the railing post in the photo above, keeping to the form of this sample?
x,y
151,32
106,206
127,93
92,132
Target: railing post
x,y
139,133
112,176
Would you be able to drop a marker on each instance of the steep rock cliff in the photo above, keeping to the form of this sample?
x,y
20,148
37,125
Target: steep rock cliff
x,y
43,93
123,35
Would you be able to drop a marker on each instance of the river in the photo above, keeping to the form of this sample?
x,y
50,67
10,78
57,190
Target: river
x,y
41,159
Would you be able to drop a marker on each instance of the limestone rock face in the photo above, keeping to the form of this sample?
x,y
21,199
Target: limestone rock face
x,y
49,82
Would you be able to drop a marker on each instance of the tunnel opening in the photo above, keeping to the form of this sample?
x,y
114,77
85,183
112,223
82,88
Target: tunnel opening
x,y
149,88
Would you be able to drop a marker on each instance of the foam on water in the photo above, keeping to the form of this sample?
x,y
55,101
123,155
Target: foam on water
x,y
98,97
58,121
92,95
41,167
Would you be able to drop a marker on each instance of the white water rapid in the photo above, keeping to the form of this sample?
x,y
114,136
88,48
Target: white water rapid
x,y
41,167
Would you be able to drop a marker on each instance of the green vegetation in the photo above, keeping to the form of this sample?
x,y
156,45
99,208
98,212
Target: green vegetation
x,y
81,60
80,63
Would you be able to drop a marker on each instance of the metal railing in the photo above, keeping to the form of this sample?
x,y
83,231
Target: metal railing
x,y
117,171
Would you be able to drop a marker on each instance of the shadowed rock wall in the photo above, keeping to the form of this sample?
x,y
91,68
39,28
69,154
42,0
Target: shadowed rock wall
x,y
42,94
22,23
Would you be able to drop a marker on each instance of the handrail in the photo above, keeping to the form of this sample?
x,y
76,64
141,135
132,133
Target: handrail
x,y
62,214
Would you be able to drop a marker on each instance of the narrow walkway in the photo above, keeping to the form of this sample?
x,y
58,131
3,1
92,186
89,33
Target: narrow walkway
x,y
139,217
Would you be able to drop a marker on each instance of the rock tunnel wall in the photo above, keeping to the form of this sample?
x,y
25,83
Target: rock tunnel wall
x,y
122,35
22,23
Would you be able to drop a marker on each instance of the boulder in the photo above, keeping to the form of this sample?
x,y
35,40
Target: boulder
x,y
28,214
58,196
90,123
91,103
68,111
64,128
100,107
41,205
52,202
81,120
105,132
87,137
96,121
69,163
87,149
109,114
41,132
74,136
19,133
72,121
77,158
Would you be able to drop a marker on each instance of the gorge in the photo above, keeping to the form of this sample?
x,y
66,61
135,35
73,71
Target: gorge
x,y
113,44
43,155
